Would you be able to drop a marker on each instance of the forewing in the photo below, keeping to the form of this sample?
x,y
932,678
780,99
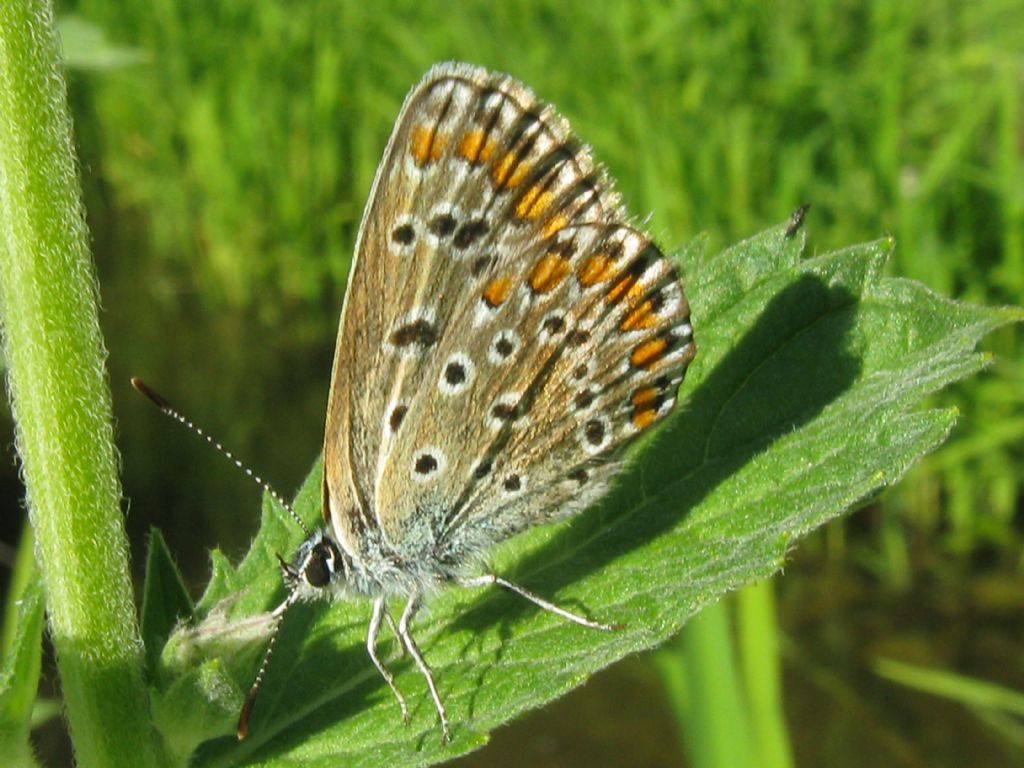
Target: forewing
x,y
506,330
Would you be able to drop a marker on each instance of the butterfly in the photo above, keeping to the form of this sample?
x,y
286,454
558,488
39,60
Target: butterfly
x,y
505,333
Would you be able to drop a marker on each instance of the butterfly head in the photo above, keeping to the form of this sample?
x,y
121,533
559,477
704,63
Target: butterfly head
x,y
318,564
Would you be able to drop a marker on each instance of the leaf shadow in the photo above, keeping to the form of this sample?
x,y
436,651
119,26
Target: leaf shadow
x,y
795,360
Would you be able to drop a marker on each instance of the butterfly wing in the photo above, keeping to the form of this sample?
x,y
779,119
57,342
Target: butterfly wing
x,y
505,332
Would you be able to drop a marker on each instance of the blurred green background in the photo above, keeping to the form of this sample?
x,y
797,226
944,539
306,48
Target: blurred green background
x,y
227,150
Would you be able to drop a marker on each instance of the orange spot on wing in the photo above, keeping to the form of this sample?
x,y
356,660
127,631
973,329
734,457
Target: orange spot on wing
x,y
426,144
497,291
644,395
533,203
640,316
508,171
646,353
548,272
596,269
475,147
644,418
628,287
554,224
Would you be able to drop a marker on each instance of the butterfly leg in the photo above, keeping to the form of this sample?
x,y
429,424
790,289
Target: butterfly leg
x,y
488,579
379,611
403,632
394,629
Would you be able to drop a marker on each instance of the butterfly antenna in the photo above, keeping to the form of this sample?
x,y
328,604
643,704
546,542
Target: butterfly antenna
x,y
158,400
242,729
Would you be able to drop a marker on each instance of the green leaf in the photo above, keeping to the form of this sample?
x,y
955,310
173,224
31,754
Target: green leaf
x,y
799,406
19,676
165,601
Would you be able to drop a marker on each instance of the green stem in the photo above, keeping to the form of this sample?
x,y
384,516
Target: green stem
x,y
718,731
61,401
758,636
669,663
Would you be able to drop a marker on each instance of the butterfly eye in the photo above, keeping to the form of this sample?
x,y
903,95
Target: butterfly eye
x,y
319,567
